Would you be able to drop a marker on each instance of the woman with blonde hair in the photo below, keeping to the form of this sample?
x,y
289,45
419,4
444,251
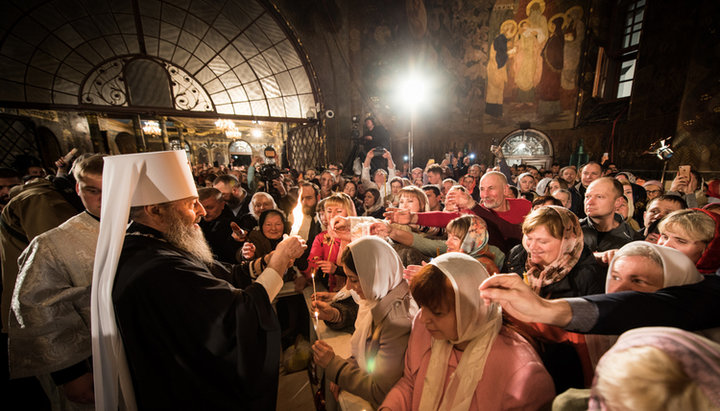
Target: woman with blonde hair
x,y
326,249
553,258
696,233
658,368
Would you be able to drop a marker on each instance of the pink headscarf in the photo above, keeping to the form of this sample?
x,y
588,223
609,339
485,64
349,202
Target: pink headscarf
x,y
698,357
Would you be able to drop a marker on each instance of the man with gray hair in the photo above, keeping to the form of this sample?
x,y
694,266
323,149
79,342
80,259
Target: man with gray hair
x,y
503,215
172,328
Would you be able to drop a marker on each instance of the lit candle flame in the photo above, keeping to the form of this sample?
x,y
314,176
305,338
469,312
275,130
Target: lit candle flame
x,y
297,215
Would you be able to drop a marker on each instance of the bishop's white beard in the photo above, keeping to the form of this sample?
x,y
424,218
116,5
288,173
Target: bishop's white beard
x,y
187,237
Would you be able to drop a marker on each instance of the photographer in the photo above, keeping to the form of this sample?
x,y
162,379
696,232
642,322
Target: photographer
x,y
376,137
266,171
381,178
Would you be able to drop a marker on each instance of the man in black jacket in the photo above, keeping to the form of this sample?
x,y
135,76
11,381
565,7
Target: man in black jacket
x,y
603,229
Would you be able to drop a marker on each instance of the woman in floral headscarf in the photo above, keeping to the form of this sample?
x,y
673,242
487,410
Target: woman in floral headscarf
x,y
553,259
468,234
658,368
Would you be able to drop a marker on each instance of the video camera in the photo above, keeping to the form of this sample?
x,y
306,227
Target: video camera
x,y
269,171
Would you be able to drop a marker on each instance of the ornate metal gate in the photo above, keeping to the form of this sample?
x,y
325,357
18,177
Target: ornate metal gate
x,y
306,146
17,137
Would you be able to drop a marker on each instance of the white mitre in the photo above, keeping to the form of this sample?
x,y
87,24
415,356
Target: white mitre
x,y
128,180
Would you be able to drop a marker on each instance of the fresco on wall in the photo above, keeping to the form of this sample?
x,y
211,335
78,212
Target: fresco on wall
x,y
533,63
500,61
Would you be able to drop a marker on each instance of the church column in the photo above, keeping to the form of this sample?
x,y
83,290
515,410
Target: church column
x,y
139,135
97,137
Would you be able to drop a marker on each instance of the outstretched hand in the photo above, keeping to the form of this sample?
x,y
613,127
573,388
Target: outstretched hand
x,y
398,216
520,301
291,247
411,271
340,228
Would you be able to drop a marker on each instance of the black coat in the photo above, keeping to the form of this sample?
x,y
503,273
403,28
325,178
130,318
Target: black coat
x,y
192,339
218,234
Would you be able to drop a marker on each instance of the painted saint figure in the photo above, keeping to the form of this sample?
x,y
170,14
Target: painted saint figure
x,y
552,54
574,34
532,35
497,68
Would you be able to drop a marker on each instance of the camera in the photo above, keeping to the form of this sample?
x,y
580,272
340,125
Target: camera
x,y
378,151
355,129
269,172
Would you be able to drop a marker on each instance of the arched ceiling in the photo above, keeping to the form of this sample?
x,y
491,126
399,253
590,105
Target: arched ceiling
x,y
240,53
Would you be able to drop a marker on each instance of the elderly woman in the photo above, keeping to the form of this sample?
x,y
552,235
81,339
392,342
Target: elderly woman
x,y
272,224
460,356
325,248
696,233
382,327
626,209
259,202
658,368
552,257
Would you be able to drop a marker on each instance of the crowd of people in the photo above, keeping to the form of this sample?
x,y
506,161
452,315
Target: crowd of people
x,y
464,285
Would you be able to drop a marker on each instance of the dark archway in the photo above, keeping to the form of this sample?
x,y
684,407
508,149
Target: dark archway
x,y
49,147
126,143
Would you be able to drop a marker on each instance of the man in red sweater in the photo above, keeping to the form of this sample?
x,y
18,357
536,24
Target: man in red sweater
x,y
503,215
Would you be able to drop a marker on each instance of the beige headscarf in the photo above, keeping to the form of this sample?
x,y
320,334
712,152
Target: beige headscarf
x,y
570,251
379,271
476,322
698,357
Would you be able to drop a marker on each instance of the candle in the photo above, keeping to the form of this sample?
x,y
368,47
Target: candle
x,y
312,275
317,325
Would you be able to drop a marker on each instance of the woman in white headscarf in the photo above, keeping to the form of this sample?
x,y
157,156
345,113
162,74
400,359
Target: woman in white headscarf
x,y
460,356
374,277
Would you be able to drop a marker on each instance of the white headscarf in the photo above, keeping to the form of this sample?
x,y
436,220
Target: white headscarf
x,y
132,180
379,270
476,322
678,269
542,186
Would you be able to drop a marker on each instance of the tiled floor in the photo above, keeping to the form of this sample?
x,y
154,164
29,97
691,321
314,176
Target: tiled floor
x,y
294,392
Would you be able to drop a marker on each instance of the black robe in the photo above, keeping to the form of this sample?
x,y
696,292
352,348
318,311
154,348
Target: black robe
x,y
218,234
192,339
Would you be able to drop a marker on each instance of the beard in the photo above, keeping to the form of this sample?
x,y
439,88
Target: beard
x,y
232,201
309,211
187,237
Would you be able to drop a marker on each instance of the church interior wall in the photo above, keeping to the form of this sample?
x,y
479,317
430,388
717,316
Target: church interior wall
x,y
678,48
